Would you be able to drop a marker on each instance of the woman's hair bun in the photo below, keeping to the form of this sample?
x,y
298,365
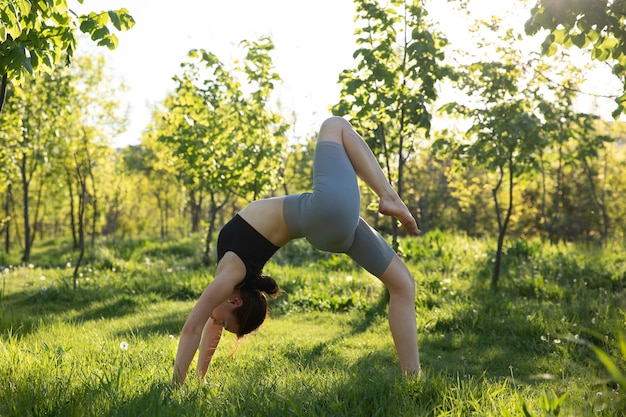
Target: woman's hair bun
x,y
265,284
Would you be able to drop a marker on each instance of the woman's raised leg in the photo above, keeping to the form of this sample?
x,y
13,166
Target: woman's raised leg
x,y
367,168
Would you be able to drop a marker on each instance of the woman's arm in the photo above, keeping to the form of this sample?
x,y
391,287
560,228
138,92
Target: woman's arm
x,y
208,345
230,272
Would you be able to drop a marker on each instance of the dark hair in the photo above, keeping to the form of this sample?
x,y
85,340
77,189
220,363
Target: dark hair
x,y
253,311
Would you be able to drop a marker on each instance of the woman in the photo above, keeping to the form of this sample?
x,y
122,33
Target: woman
x,y
329,219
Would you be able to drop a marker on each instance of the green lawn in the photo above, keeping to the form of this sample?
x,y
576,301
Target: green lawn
x,y
107,349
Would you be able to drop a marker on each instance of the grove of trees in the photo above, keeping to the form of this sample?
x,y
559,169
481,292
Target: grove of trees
x,y
510,156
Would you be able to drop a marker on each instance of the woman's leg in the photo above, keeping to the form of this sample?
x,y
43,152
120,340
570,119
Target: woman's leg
x,y
402,321
372,252
366,166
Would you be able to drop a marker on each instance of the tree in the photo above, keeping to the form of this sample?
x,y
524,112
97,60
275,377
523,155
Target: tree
x,y
224,142
594,25
504,132
36,110
35,36
60,124
152,161
389,92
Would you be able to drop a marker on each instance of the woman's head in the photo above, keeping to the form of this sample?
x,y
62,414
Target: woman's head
x,y
253,309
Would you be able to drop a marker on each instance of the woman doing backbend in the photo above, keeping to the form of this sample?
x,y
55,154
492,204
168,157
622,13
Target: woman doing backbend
x,y
329,219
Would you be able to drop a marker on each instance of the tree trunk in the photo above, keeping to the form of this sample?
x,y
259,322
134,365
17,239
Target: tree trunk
x,y
7,225
213,210
195,204
597,197
81,222
3,90
502,223
25,209
93,198
70,187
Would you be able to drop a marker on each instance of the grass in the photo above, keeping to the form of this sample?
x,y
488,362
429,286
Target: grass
x,y
536,347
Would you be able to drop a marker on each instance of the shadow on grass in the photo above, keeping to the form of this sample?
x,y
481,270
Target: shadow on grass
x,y
22,313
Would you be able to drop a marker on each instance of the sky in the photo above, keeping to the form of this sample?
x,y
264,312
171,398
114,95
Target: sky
x,y
314,41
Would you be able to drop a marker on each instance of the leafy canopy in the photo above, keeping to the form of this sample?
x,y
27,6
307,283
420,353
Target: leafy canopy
x,y
37,35
595,25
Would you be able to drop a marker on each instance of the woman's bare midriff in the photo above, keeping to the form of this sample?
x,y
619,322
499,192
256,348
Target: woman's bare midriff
x,y
266,216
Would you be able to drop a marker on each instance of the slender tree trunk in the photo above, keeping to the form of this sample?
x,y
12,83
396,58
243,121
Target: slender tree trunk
x,y
503,223
598,202
82,201
213,211
7,211
167,215
70,188
3,90
36,219
556,203
195,203
157,195
25,208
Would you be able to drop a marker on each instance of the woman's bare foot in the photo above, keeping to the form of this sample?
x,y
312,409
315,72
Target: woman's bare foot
x,y
395,207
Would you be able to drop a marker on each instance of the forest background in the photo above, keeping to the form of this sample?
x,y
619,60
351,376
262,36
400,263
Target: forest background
x,y
500,144
488,142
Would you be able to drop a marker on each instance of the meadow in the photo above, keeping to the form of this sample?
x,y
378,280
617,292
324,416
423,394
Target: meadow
x,y
548,342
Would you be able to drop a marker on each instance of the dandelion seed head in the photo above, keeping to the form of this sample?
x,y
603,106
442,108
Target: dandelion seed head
x,y
42,278
124,345
349,278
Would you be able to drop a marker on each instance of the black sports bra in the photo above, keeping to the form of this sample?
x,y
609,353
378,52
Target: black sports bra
x,y
245,241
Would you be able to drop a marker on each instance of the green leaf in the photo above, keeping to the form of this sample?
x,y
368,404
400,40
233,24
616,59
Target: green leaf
x,y
115,19
87,25
124,19
559,36
99,33
551,50
610,366
608,43
601,54
579,40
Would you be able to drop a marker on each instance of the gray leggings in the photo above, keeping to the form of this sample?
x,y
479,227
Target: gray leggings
x,y
329,216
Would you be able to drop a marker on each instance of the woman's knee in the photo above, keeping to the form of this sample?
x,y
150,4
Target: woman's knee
x,y
398,279
332,128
